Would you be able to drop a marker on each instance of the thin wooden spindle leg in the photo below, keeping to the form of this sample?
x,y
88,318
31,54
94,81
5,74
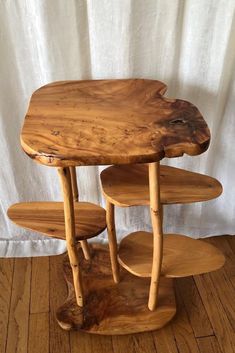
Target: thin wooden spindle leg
x,y
110,220
156,217
66,185
84,243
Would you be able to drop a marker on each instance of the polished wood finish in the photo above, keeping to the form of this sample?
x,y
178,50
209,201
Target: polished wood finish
x,y
113,248
70,233
127,186
113,309
182,256
48,218
84,243
97,122
157,246
176,337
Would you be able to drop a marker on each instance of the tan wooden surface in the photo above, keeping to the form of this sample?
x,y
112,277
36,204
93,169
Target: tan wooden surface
x,y
110,122
157,243
70,233
114,308
182,256
48,218
112,240
128,185
220,340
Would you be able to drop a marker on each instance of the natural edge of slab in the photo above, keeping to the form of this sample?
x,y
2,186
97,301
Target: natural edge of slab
x,y
110,122
113,309
182,255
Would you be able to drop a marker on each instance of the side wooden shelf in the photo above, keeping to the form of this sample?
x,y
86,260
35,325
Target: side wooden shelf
x,y
182,256
48,218
126,185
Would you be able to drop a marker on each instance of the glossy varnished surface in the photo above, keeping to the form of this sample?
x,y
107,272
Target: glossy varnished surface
x,y
110,122
182,256
129,185
113,309
48,218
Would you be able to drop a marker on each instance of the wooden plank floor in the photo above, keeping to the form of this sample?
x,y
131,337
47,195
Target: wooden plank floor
x,y
30,294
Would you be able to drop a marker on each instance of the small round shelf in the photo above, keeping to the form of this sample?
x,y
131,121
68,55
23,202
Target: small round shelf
x,y
48,218
182,256
127,186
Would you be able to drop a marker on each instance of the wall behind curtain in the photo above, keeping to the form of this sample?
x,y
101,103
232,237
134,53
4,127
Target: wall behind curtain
x,y
190,45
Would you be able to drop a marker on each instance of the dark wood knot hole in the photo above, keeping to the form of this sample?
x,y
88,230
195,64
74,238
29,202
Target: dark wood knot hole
x,y
179,121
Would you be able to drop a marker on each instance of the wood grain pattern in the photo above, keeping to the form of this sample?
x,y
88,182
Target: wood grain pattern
x,y
194,307
167,339
157,245
215,310
70,233
39,333
128,185
73,174
182,256
6,275
112,239
183,333
113,308
97,122
39,299
48,218
59,339
19,309
208,345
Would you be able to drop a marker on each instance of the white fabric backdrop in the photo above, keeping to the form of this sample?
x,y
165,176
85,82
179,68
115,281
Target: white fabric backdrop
x,y
189,44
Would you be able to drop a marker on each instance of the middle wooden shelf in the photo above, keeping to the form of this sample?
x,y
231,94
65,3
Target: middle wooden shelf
x,y
48,218
182,256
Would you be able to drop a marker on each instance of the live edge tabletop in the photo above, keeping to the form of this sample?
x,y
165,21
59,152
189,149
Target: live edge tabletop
x,y
100,122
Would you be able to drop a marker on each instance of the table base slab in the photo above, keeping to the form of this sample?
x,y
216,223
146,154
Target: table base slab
x,y
113,309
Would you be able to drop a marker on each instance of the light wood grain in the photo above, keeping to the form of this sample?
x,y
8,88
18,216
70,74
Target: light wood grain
x,y
84,243
157,246
48,218
6,275
114,308
128,185
19,310
39,299
113,248
70,233
182,256
98,122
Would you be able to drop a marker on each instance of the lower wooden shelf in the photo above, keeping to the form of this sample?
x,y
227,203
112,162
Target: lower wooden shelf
x,y
182,256
113,309
48,218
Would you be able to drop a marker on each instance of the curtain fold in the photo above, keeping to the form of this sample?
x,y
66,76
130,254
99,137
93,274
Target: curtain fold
x,y
189,45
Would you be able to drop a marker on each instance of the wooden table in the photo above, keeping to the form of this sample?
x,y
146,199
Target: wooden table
x,y
119,122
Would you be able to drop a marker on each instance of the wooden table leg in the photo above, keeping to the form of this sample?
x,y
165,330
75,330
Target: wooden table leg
x,y
66,185
84,243
156,218
110,220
